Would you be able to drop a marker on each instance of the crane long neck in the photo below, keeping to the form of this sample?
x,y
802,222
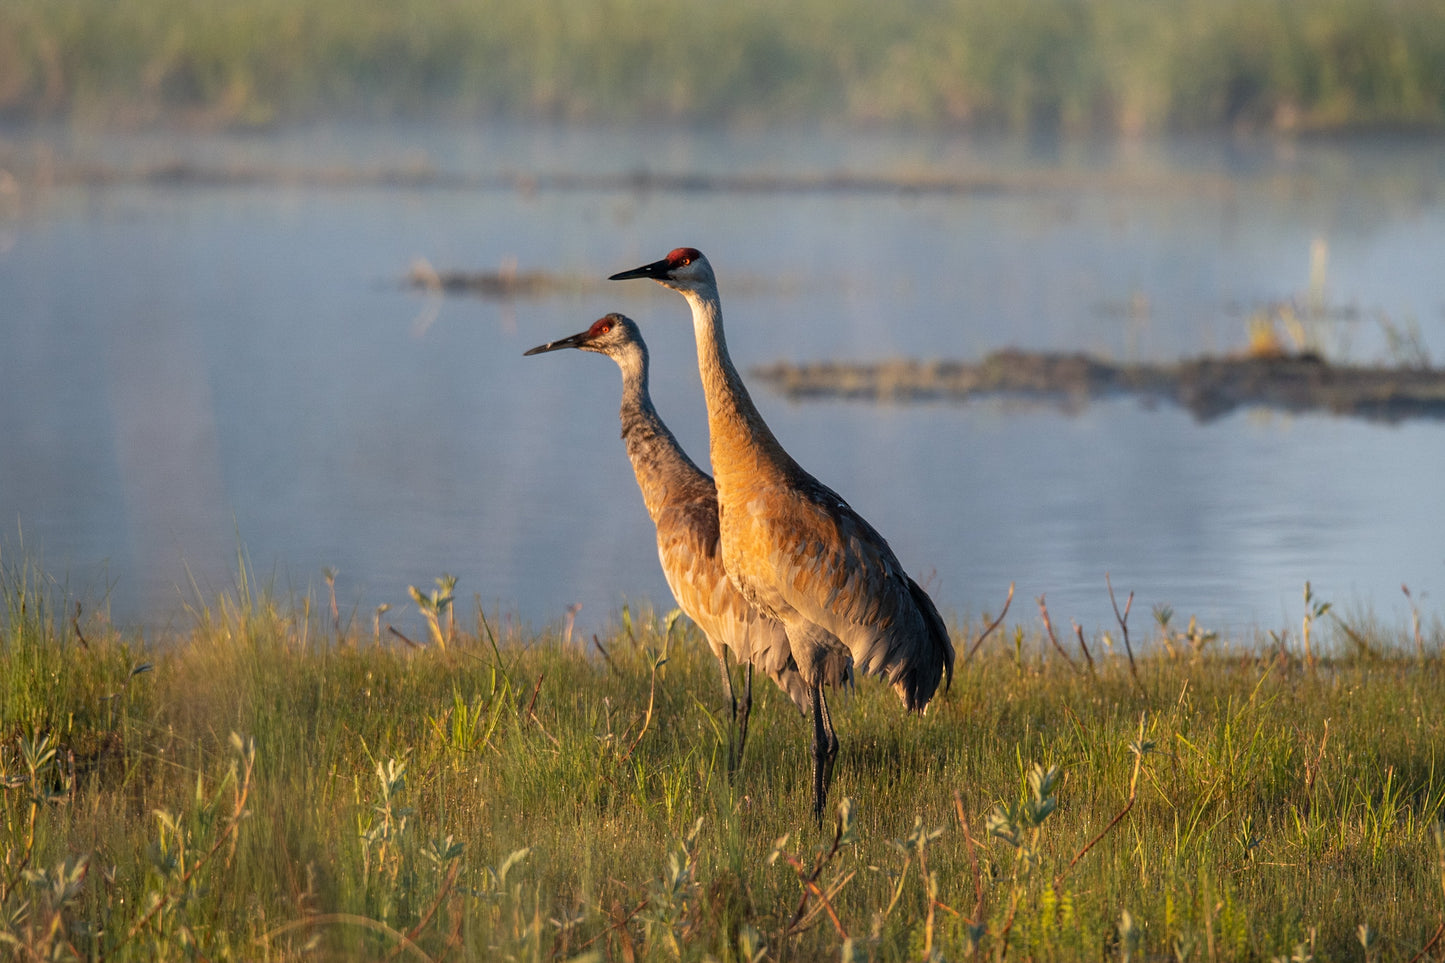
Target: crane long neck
x,y
742,444
657,459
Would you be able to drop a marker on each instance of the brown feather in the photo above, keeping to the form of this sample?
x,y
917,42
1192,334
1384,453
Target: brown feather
x,y
682,501
796,549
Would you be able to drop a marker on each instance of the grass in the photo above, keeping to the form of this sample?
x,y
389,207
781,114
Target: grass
x,y
1112,65
268,787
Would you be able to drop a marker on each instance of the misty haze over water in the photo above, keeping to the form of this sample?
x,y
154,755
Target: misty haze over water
x,y
206,361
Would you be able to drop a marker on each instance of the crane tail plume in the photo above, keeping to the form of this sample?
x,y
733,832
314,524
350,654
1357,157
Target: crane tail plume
x,y
938,657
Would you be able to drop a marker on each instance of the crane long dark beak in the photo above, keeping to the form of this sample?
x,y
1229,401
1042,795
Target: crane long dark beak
x,y
575,341
656,270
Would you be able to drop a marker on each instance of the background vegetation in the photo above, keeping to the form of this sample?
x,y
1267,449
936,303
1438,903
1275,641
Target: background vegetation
x,y
1119,65
279,785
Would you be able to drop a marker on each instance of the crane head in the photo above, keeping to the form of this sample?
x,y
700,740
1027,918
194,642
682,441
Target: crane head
x,y
684,269
607,335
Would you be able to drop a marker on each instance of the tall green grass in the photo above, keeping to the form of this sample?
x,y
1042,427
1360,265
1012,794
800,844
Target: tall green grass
x,y
266,787
1051,64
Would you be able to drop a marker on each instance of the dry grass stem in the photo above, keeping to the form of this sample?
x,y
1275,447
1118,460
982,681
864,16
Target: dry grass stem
x,y
1123,620
1053,640
992,625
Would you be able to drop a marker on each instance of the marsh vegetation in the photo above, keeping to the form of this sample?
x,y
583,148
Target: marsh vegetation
x,y
1114,65
1209,387
282,781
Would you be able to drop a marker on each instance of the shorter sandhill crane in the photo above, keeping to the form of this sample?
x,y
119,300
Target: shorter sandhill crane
x,y
794,548
682,501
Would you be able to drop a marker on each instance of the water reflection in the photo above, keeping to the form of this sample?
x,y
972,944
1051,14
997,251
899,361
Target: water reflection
x,y
184,366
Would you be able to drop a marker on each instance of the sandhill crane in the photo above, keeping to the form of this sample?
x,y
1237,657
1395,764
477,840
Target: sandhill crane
x,y
795,549
682,501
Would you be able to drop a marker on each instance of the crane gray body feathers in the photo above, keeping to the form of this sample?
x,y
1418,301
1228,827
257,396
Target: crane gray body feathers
x,y
795,549
682,502
800,552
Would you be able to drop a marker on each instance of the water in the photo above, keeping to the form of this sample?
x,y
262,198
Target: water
x,y
186,370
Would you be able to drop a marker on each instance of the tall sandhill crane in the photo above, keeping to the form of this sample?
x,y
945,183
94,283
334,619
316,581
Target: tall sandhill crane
x,y
682,501
795,549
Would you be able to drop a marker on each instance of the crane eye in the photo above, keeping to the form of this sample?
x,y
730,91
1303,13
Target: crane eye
x,y
686,261
606,327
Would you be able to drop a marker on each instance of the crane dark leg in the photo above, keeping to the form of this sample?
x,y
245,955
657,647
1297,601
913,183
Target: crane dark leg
x,y
743,712
735,751
825,750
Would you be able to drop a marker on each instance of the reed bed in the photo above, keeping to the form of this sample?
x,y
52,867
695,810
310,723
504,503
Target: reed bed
x,y
1109,65
278,784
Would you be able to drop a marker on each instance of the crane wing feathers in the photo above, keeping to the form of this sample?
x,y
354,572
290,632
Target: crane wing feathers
x,y
834,568
937,631
687,546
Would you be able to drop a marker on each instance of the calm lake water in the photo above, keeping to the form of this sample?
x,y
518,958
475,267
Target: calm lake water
x,y
194,367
